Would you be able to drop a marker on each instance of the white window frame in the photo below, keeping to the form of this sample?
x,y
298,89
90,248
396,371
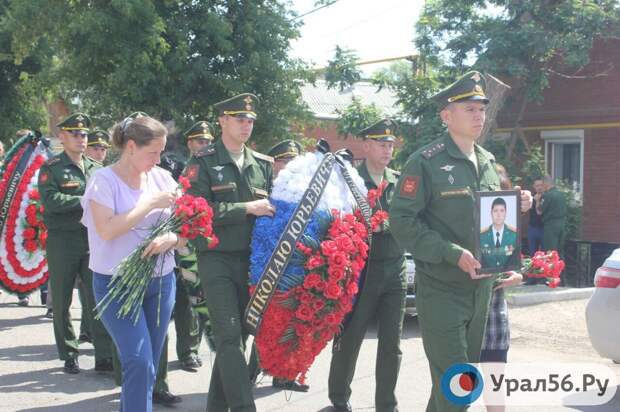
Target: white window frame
x,y
563,136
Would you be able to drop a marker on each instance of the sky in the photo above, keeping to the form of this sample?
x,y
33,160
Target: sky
x,y
375,29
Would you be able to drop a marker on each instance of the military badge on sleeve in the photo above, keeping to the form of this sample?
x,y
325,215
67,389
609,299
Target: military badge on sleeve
x,y
409,187
192,173
43,177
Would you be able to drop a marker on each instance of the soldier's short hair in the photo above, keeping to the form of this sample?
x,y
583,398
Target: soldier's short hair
x,y
498,201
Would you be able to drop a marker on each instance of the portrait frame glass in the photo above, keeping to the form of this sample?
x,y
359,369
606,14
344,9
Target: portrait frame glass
x,y
498,235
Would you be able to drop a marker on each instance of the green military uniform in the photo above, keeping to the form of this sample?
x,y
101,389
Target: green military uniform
x,y
285,150
199,130
99,137
553,206
494,256
187,323
223,270
96,138
383,294
432,216
62,184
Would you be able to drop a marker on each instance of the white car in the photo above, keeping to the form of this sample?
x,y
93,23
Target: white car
x,y
603,309
410,305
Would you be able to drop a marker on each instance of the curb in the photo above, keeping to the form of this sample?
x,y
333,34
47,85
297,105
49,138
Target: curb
x,y
536,297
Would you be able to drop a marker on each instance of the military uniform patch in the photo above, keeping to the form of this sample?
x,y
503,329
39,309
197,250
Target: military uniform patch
x,y
409,187
433,150
43,177
53,161
192,172
262,157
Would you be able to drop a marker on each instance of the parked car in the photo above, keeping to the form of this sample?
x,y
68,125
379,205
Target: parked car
x,y
603,309
410,306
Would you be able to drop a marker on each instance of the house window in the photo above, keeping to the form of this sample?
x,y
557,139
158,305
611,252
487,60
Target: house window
x,y
564,156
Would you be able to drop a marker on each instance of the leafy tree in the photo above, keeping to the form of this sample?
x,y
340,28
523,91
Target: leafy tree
x,y
17,91
357,116
171,59
342,70
525,41
419,122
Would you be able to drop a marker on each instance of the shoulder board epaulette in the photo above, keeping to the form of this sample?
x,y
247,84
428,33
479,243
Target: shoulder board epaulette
x,y
97,162
511,228
485,230
263,157
52,161
209,150
433,150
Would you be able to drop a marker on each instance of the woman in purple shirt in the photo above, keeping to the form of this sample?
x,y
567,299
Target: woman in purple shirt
x,y
121,205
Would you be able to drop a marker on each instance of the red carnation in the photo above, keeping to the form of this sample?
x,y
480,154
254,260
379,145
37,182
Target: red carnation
x,y
29,233
304,313
318,304
352,288
30,245
314,262
185,184
311,280
329,247
213,242
332,291
34,194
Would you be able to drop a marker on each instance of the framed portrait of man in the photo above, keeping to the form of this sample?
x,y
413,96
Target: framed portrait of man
x,y
498,245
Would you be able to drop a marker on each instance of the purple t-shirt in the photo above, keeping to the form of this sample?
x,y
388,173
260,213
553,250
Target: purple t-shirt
x,y
108,189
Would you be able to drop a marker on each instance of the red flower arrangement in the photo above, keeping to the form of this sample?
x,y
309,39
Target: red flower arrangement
x,y
33,231
299,323
544,265
191,217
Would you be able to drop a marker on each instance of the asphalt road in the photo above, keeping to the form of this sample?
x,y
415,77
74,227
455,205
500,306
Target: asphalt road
x,y
31,376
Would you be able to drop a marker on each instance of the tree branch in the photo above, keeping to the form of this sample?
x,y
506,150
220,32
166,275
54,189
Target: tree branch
x,y
604,73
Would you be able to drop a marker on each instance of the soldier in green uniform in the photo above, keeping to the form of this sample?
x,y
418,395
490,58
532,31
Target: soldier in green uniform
x,y
282,153
432,216
62,181
384,290
187,323
498,242
96,149
236,181
553,208
98,145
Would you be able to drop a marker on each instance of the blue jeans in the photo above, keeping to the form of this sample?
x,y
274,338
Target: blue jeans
x,y
139,346
534,239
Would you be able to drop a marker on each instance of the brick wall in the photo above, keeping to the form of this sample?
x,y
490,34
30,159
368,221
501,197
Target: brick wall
x,y
601,181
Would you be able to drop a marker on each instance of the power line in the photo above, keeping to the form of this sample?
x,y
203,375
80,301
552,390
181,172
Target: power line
x,y
315,10
409,57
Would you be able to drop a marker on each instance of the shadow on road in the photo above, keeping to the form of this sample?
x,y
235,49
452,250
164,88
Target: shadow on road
x,y
102,403
7,324
32,353
54,380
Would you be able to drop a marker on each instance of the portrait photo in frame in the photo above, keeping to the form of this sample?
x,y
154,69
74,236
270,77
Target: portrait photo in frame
x,y
498,244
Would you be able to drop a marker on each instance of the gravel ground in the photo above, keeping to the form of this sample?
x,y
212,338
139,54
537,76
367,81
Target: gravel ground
x,y
556,326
